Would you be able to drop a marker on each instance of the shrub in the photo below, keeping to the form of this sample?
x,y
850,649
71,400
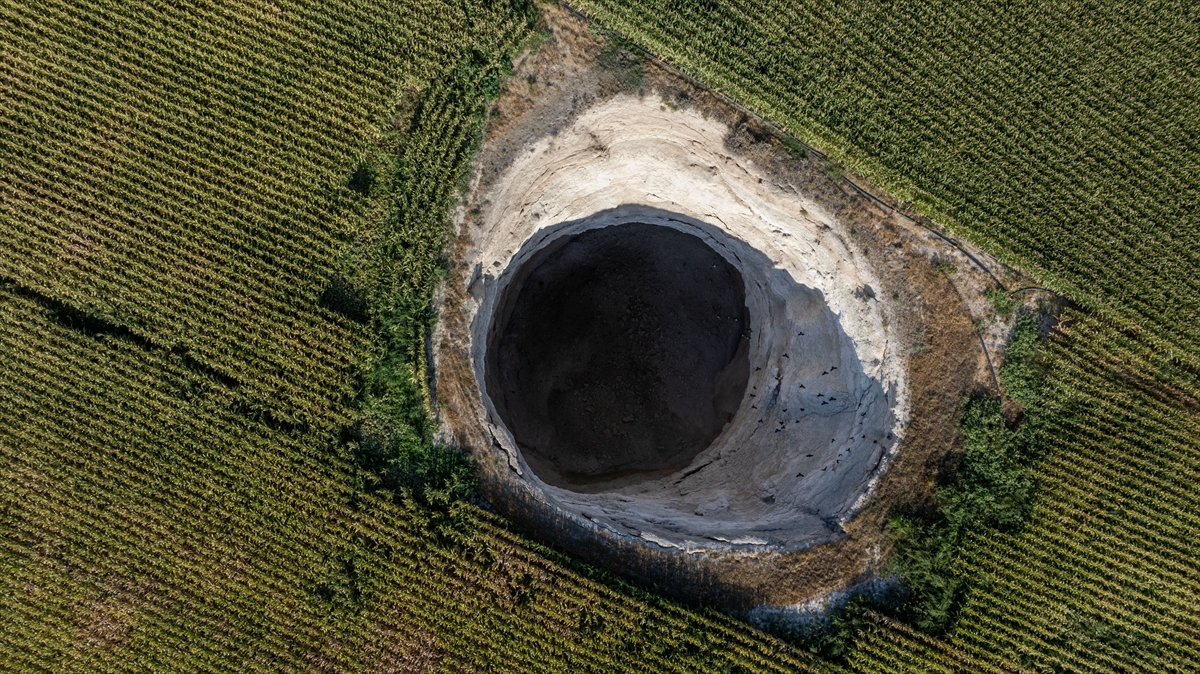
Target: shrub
x,y
1004,303
989,486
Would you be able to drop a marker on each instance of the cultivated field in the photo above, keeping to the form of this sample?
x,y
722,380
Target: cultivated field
x,y
221,227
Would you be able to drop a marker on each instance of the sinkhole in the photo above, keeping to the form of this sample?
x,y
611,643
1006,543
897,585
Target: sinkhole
x,y
650,344
661,377
667,361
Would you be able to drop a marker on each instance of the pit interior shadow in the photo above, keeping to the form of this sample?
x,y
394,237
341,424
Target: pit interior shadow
x,y
811,434
619,354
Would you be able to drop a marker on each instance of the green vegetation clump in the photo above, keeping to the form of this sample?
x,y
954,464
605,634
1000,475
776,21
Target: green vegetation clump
x,y
990,486
363,178
1004,303
400,262
1024,368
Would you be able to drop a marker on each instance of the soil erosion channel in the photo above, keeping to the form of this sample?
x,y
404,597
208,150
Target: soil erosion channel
x,y
619,355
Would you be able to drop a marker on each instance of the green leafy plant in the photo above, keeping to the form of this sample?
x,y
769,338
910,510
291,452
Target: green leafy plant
x,y
363,178
1004,303
1023,371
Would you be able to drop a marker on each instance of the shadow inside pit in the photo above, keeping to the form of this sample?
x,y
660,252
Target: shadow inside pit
x,y
618,354
816,429
811,442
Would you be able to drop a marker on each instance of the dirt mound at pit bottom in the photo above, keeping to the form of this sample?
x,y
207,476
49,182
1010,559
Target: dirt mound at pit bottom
x,y
623,357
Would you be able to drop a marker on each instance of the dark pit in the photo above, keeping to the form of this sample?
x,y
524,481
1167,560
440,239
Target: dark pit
x,y
618,354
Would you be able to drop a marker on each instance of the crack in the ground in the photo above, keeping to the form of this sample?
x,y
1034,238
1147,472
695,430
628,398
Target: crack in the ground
x,y
97,326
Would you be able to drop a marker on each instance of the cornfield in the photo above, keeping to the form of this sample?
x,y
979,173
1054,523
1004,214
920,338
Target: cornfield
x,y
177,491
